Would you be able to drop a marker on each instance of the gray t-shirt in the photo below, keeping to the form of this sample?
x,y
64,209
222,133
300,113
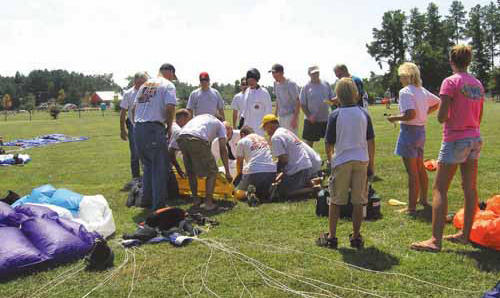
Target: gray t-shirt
x,y
205,127
128,101
284,141
152,99
312,98
286,96
205,102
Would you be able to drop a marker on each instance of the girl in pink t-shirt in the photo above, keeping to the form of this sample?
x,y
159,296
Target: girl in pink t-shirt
x,y
462,97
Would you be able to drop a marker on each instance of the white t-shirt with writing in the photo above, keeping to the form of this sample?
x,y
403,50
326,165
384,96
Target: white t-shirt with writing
x,y
152,99
256,152
314,157
205,127
128,101
286,142
418,99
205,102
257,104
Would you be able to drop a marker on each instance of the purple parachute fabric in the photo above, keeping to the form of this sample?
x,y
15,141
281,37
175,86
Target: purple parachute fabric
x,y
31,234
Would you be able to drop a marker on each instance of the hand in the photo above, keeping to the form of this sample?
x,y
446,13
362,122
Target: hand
x,y
391,119
228,177
123,135
293,123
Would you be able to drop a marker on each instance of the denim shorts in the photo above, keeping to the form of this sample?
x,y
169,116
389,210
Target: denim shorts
x,y
411,141
460,151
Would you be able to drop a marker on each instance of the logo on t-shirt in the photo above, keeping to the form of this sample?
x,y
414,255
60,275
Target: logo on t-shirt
x,y
149,91
256,107
472,91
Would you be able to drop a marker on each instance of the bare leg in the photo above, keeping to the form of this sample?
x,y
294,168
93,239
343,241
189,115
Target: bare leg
x,y
210,186
469,185
413,185
423,182
357,219
333,217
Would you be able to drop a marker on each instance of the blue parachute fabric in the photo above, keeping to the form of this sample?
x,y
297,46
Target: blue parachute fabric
x,y
8,216
17,253
47,194
44,140
39,195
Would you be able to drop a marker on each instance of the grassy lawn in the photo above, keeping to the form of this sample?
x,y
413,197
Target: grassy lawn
x,y
279,236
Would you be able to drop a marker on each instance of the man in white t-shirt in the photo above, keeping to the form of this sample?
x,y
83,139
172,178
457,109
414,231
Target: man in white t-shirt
x,y
294,166
205,100
287,99
154,109
194,142
237,104
233,136
257,102
127,125
315,160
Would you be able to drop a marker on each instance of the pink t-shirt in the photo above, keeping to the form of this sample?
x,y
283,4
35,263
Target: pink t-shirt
x,y
467,97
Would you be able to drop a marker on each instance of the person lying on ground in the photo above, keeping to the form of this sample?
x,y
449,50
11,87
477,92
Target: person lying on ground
x,y
351,141
415,103
259,170
194,142
294,166
461,112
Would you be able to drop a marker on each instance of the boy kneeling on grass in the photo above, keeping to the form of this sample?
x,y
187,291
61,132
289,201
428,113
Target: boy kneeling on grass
x,y
350,136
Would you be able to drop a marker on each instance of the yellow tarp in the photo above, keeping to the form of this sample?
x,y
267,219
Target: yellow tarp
x,y
223,189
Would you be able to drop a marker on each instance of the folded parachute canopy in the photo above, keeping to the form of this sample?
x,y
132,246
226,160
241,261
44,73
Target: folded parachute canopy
x,y
44,141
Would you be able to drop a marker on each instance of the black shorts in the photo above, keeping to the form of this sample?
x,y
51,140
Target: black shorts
x,y
313,132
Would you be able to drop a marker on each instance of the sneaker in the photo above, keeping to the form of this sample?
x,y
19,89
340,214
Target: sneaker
x,y
325,241
357,243
253,201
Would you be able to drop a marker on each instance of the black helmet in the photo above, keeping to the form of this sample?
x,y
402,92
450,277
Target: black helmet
x,y
253,73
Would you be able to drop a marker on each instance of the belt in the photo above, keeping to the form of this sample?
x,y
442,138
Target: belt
x,y
151,122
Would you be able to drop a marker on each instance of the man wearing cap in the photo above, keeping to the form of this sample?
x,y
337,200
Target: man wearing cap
x,y
237,104
127,125
313,99
287,99
341,71
194,141
257,102
294,166
154,109
232,138
205,100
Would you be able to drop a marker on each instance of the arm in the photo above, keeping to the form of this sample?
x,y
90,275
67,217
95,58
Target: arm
x,y
481,113
302,102
282,162
173,160
371,155
329,150
295,119
239,165
277,107
170,118
433,109
224,157
133,114
235,118
221,113
443,109
407,116
123,129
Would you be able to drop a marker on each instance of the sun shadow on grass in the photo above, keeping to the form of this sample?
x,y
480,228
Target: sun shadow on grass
x,y
425,214
370,258
486,259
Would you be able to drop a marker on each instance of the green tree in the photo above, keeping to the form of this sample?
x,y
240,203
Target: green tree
x,y
415,31
490,25
389,45
480,63
494,83
61,96
456,21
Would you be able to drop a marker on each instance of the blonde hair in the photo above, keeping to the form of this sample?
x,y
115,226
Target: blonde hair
x,y
410,71
461,55
346,91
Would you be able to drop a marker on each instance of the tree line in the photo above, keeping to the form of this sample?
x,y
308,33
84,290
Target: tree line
x,y
426,37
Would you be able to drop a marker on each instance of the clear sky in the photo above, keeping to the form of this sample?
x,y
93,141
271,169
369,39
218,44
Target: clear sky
x,y
222,37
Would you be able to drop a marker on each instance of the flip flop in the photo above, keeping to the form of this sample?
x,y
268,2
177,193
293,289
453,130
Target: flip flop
x,y
456,239
430,165
422,247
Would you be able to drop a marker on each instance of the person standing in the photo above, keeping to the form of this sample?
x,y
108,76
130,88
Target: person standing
x,y
287,99
351,140
127,125
257,102
415,103
461,112
205,100
154,109
237,105
194,142
313,99
341,71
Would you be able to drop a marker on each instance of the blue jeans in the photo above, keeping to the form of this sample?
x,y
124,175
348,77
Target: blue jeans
x,y
411,141
134,155
460,151
151,142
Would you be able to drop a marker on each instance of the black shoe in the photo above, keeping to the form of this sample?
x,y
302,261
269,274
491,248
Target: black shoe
x,y
253,201
325,241
357,243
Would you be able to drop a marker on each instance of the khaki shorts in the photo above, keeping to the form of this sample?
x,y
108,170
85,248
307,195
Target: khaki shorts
x,y
352,176
197,156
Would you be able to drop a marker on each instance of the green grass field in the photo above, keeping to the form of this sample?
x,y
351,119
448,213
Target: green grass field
x,y
280,236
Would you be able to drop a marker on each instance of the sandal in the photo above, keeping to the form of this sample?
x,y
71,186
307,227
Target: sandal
x,y
457,239
325,241
425,246
357,243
